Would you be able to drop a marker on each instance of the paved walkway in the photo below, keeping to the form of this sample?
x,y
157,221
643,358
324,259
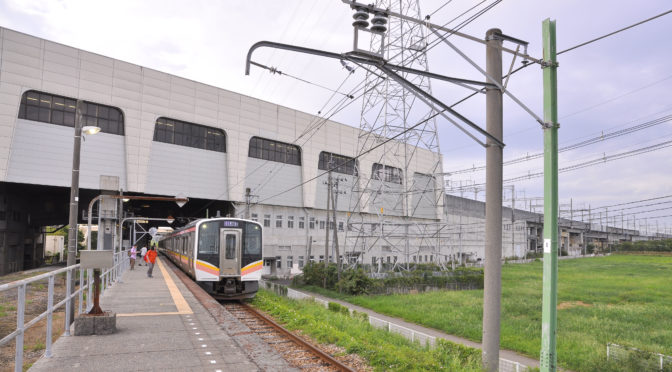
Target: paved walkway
x,y
161,326
503,354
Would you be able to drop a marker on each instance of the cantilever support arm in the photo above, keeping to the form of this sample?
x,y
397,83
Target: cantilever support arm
x,y
368,60
387,68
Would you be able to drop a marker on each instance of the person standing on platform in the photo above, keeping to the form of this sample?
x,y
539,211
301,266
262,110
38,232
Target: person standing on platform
x,y
150,257
133,254
143,252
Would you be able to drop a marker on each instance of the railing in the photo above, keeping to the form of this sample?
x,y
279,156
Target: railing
x,y
108,277
505,365
640,359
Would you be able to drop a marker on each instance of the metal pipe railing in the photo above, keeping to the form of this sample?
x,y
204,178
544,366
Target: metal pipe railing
x,y
111,276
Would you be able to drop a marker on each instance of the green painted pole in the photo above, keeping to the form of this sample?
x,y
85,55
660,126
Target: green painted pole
x,y
548,358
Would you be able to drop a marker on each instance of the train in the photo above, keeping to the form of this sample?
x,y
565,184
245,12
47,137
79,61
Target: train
x,y
223,255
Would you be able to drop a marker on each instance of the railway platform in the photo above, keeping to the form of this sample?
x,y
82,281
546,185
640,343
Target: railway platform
x,y
161,326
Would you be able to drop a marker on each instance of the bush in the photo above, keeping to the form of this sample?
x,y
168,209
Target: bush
x,y
645,246
354,282
338,308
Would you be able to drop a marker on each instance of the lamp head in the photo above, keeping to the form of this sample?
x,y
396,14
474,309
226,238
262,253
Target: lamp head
x,y
90,129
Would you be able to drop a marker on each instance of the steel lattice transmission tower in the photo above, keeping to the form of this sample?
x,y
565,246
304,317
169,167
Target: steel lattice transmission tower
x,y
385,187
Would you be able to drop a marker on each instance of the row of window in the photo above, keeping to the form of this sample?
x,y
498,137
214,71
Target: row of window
x,y
59,110
312,222
289,260
265,149
386,173
338,163
181,133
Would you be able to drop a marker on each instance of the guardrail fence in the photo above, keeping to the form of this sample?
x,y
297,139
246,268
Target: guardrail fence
x,y
85,280
639,359
505,365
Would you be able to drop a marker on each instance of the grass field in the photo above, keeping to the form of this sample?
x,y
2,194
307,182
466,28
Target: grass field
x,y
620,299
383,351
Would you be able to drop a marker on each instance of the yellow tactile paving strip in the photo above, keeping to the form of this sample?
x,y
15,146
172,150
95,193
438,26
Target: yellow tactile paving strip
x,y
179,301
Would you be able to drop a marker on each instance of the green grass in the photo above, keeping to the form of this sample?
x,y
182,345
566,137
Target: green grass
x,y
384,351
623,299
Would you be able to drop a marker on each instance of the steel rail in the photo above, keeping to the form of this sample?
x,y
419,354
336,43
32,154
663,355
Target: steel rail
x,y
296,339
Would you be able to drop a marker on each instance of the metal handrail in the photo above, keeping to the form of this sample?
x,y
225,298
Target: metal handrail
x,y
108,277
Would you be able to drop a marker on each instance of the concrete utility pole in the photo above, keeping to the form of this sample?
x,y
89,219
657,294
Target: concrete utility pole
x,y
548,357
334,203
74,205
493,205
247,203
326,238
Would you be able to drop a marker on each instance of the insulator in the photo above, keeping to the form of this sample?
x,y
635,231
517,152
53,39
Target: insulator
x,y
360,14
379,19
361,23
378,28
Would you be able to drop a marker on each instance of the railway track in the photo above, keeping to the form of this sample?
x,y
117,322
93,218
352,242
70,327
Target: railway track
x,y
294,350
297,352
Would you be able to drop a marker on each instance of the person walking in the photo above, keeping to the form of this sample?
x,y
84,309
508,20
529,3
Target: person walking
x,y
150,257
143,252
133,254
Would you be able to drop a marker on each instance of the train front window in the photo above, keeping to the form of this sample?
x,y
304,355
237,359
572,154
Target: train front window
x,y
208,238
252,240
230,246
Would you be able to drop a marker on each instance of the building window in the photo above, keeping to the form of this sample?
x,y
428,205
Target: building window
x,y
312,258
322,224
255,217
340,225
373,260
278,262
290,261
311,223
302,222
331,225
261,148
278,221
321,258
386,173
431,258
339,163
181,133
290,222
59,110
301,262
267,220
388,259
349,227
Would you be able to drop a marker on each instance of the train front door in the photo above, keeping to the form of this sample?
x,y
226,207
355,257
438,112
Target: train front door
x,y
229,258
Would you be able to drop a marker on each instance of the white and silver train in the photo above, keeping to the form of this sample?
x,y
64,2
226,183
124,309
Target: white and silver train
x,y
223,255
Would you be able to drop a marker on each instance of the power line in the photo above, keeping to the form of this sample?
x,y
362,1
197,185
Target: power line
x,y
592,162
615,32
577,145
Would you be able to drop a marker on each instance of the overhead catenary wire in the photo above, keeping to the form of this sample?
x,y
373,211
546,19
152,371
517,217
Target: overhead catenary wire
x,y
574,146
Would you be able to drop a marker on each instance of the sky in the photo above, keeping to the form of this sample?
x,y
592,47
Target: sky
x,y
613,84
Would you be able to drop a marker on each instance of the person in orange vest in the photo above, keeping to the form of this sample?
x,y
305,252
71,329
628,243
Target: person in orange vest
x,y
150,258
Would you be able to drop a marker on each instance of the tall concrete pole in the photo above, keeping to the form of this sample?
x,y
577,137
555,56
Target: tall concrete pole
x,y
326,238
548,357
74,204
493,206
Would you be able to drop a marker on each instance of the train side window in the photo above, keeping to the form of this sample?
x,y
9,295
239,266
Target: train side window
x,y
208,238
230,246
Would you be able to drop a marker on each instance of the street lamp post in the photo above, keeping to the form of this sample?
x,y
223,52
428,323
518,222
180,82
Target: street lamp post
x,y
74,198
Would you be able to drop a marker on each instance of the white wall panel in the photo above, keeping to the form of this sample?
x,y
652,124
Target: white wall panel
x,y
268,178
194,172
42,154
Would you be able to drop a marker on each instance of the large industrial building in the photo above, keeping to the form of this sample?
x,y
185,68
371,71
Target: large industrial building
x,y
163,135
